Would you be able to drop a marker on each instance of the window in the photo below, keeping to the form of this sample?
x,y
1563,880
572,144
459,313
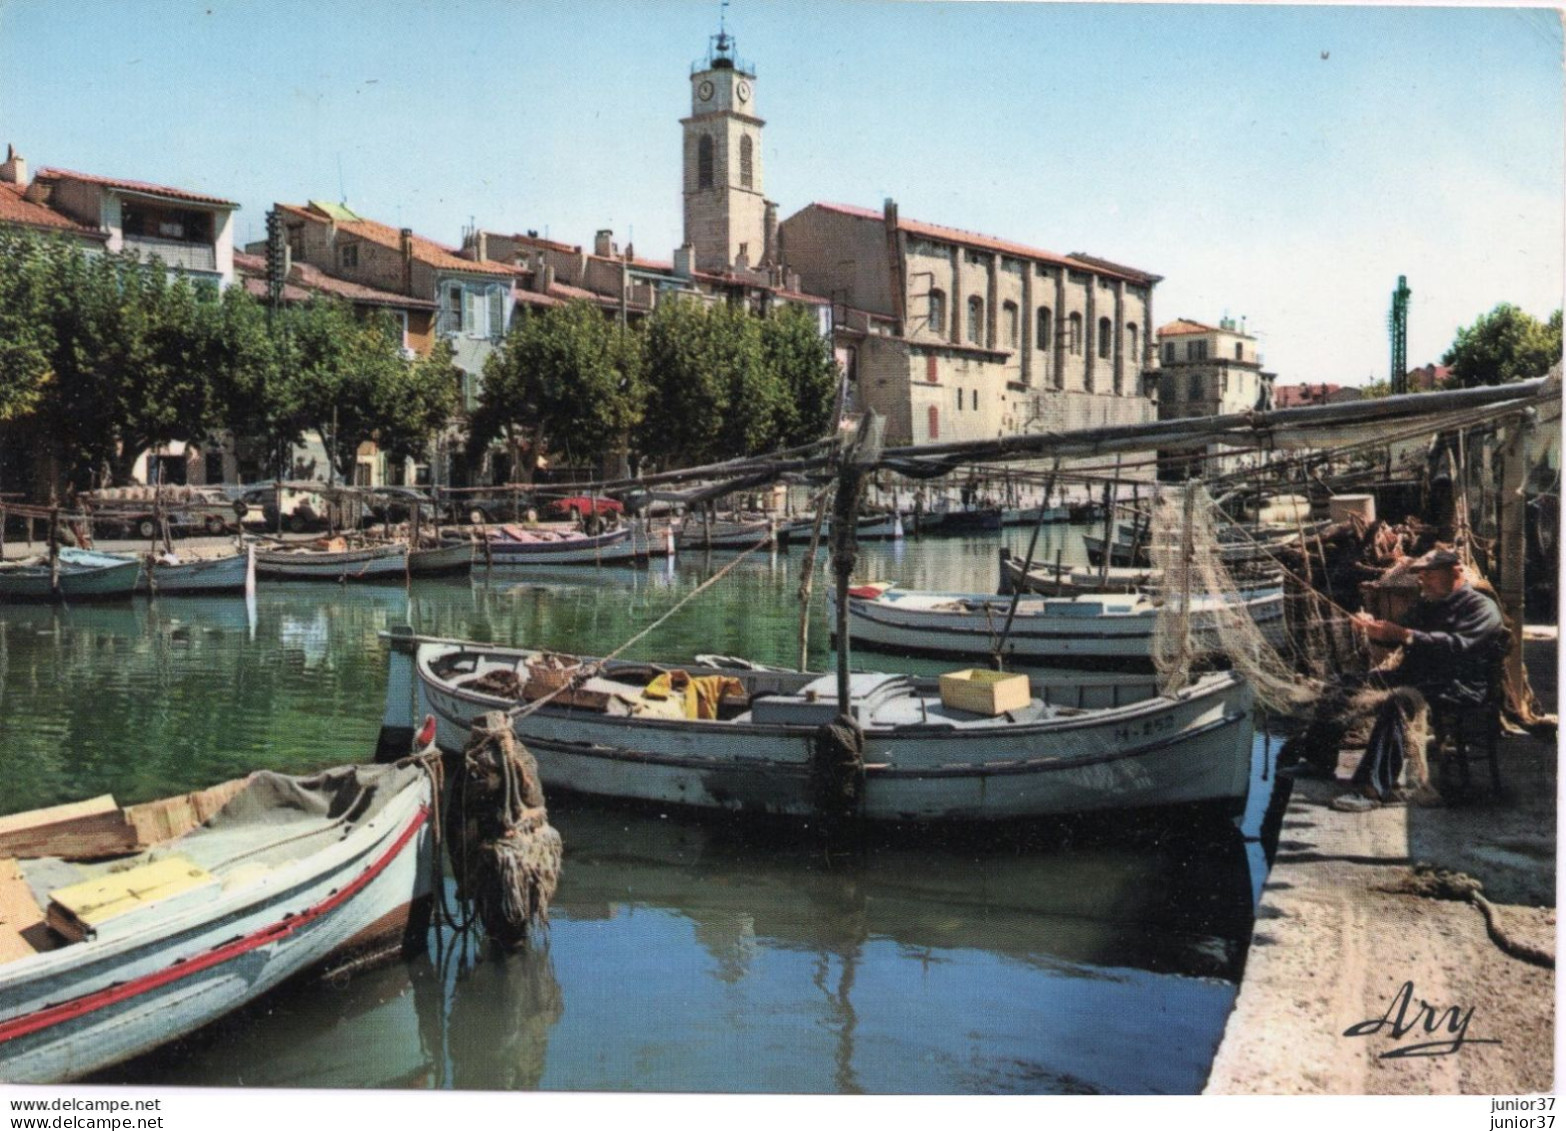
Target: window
x,y
1074,334
1131,344
935,422
976,319
973,398
747,165
1046,328
497,312
1106,341
348,255
1196,387
931,369
451,310
1009,316
1224,382
704,162
296,242
1169,348
152,221
959,398
1239,351
1196,351
938,313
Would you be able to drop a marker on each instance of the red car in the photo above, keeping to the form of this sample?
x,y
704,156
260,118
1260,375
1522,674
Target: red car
x,y
579,505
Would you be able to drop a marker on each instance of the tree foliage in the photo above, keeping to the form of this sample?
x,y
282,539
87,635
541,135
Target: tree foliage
x,y
26,340
567,382
1507,344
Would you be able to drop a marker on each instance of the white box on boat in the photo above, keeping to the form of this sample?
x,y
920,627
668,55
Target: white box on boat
x,y
985,692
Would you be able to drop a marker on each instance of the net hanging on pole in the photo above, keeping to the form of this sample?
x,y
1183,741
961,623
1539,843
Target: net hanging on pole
x,y
1203,615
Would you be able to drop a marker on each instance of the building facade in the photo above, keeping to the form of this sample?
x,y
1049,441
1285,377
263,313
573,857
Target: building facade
x,y
952,335
1209,371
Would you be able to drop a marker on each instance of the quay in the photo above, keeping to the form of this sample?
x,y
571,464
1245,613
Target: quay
x,y
1341,927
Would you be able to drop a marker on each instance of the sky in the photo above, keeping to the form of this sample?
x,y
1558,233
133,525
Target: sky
x,y
1279,164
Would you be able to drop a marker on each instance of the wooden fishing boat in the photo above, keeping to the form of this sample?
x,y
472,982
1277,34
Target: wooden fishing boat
x,y
1029,516
332,560
451,558
83,576
168,574
976,520
125,929
1103,628
872,528
1127,551
1045,579
1075,746
726,534
517,546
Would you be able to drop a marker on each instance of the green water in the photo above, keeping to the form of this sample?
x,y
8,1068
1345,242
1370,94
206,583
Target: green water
x,y
682,956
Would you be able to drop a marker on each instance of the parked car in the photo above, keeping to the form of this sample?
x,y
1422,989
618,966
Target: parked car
x,y
133,511
395,504
486,509
580,506
301,510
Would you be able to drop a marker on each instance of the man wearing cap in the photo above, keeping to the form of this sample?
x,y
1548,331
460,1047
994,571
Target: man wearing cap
x,y
1450,640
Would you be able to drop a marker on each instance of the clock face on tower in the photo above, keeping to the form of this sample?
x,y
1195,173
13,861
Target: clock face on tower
x,y
704,91
743,90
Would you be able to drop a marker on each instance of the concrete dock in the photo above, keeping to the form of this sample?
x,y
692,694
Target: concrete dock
x,y
1346,921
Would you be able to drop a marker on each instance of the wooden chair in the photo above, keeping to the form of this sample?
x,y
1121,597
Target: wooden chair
x,y
1471,732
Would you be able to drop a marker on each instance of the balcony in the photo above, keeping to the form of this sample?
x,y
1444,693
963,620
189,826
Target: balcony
x,y
174,253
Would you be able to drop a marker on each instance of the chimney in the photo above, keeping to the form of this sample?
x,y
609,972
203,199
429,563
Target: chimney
x,y
481,245
682,261
603,242
889,210
407,260
14,171
769,247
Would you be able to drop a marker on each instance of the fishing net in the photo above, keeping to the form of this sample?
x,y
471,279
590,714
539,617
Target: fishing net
x,y
1207,616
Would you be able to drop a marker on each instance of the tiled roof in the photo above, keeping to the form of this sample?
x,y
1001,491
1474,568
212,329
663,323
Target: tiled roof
x,y
17,209
305,279
991,243
135,186
1185,326
1292,396
425,250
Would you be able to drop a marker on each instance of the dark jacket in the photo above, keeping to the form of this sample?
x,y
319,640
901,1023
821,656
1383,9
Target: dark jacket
x,y
1457,641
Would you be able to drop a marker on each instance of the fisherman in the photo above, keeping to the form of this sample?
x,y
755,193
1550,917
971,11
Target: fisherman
x,y
1450,639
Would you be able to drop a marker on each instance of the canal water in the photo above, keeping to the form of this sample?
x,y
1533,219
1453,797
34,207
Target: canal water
x,y
681,956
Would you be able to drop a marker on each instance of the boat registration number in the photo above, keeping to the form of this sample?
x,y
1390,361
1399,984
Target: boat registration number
x,y
1152,727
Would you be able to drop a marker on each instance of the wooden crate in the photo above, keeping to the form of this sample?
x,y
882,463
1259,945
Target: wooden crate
x,y
985,692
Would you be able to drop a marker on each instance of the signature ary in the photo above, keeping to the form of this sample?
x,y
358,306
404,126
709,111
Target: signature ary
x,y
1447,1028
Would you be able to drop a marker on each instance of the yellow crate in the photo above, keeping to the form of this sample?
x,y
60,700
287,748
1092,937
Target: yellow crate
x,y
985,692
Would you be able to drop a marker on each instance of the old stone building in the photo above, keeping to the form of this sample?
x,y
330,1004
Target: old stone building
x,y
952,335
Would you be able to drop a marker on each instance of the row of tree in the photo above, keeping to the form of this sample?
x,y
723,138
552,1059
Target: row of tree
x,y
104,356
1507,344
691,384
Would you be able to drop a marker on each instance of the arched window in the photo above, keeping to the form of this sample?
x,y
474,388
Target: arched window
x,y
746,164
704,162
1046,329
935,422
976,320
938,312
1106,341
1009,320
1074,334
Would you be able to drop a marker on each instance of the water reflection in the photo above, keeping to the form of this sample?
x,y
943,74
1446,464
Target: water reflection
x,y
688,958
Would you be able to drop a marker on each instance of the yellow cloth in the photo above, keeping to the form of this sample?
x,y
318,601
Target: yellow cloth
x,y
700,693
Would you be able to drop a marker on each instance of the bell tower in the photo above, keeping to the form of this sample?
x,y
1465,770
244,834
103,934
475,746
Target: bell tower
x,y
725,209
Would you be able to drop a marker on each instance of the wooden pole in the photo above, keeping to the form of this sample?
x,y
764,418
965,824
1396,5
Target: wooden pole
x,y
861,454
1512,551
807,583
997,660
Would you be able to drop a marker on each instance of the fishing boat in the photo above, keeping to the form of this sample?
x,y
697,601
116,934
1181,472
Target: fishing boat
x,y
975,520
124,929
435,561
519,546
332,559
170,574
1029,516
83,576
1051,580
741,533
872,528
1073,746
1102,628
1235,549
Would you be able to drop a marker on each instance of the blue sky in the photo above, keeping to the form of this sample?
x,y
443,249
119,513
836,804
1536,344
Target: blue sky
x,y
1284,164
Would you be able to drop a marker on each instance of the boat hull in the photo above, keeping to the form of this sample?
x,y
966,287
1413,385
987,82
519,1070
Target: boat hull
x,y
1059,631
217,575
1192,750
377,563
72,1011
453,559
106,580
610,547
